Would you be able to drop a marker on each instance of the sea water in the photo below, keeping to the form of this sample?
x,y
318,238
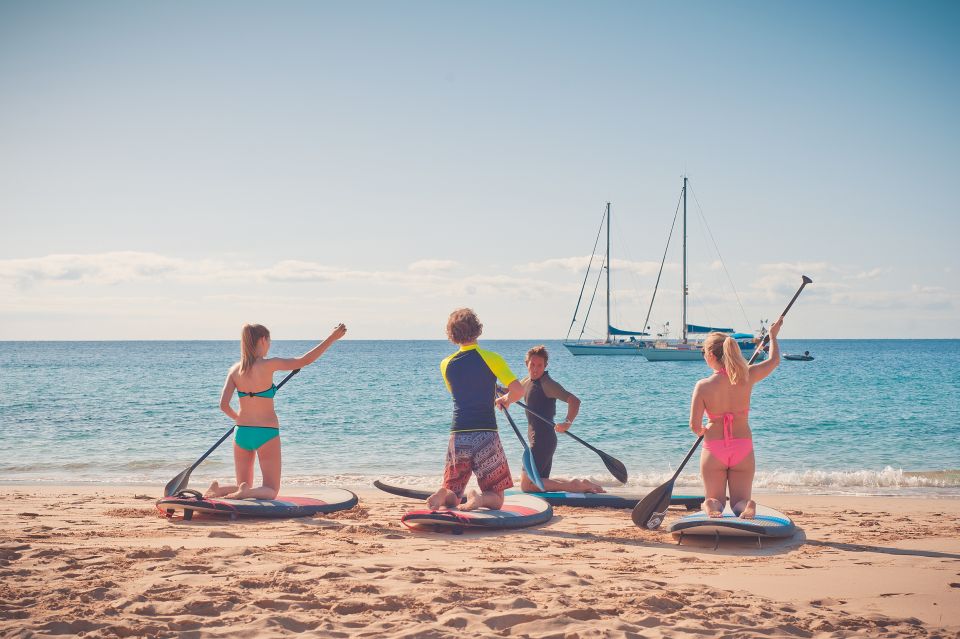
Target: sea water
x,y
865,416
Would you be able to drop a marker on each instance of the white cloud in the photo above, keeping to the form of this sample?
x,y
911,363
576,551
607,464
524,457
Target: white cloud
x,y
432,266
578,264
872,274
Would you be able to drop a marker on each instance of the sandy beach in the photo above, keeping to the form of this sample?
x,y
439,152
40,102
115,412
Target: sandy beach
x,y
87,561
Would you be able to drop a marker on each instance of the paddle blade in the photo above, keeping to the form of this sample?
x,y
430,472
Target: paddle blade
x,y
616,468
178,483
649,513
530,467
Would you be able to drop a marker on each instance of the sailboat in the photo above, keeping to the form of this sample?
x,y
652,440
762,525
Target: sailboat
x,y
687,349
614,342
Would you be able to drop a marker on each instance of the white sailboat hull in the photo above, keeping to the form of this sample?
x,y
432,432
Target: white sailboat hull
x,y
674,354
604,349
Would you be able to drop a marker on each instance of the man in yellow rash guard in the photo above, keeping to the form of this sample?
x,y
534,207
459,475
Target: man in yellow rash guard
x,y
471,376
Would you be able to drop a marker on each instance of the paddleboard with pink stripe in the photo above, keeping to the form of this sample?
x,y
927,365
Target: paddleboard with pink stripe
x,y
326,500
518,511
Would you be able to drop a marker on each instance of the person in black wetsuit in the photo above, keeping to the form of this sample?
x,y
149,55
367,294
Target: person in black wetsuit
x,y
540,393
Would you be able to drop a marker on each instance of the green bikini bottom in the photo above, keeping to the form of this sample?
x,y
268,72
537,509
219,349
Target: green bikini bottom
x,y
253,437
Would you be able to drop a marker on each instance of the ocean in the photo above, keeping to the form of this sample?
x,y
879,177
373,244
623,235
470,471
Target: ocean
x,y
865,417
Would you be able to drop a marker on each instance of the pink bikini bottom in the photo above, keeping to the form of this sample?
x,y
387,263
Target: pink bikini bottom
x,y
730,451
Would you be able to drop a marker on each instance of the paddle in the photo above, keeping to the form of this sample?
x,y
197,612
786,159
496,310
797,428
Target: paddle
x,y
529,465
180,482
614,465
650,511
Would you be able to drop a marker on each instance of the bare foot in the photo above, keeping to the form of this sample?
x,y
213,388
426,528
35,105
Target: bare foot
x,y
749,510
474,501
442,498
242,491
587,486
713,508
213,491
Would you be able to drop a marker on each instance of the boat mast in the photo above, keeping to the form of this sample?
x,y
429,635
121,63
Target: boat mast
x,y
608,273
683,296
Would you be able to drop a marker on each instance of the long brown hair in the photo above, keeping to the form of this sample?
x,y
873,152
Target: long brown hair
x,y
728,353
250,336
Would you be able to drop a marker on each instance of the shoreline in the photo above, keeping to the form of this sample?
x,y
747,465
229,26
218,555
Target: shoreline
x,y
295,486
101,560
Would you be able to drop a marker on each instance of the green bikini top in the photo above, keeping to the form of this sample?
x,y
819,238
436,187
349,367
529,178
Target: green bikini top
x,y
269,393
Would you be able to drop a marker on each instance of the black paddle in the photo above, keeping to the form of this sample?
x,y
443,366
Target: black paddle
x,y
180,482
650,511
614,465
529,464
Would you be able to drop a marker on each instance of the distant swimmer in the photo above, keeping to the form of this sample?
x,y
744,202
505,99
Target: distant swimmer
x,y
471,376
727,460
540,393
258,429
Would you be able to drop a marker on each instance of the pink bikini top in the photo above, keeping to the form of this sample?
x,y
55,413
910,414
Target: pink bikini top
x,y
727,417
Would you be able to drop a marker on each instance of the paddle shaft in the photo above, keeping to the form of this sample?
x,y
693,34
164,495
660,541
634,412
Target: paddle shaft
x,y
532,472
756,353
567,432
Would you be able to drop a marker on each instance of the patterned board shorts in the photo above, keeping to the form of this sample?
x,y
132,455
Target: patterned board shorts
x,y
480,453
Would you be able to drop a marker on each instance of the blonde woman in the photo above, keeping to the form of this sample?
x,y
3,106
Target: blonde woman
x,y
258,429
727,461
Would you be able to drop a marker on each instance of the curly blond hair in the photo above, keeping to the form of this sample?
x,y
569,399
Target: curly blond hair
x,y
463,326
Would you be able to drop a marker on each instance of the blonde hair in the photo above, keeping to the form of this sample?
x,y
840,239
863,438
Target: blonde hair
x,y
463,326
728,353
250,336
538,351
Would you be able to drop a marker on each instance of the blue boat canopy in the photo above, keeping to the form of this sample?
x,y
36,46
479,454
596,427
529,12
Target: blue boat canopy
x,y
742,336
693,328
618,331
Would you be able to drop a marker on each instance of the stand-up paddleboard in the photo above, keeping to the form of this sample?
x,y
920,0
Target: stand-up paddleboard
x,y
767,524
518,511
584,500
188,502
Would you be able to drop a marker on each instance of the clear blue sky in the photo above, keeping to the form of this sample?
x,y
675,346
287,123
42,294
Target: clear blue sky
x,y
171,170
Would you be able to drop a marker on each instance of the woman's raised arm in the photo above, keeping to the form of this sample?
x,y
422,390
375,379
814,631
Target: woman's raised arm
x,y
292,363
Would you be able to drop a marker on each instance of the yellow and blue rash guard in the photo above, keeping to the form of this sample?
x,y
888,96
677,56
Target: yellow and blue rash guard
x,y
471,376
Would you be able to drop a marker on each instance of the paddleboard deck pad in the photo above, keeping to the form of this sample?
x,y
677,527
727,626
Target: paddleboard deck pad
x,y
189,502
583,500
767,524
518,511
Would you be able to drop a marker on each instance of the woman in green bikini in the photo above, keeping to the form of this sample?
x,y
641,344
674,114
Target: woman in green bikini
x,y
258,430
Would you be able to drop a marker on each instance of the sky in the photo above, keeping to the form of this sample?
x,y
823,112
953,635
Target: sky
x,y
172,170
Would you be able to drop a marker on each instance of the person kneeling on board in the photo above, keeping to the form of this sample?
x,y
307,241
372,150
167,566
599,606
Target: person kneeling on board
x,y
471,376
540,393
727,460
258,429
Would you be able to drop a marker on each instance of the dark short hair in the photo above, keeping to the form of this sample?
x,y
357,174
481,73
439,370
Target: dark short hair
x,y
538,351
463,326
